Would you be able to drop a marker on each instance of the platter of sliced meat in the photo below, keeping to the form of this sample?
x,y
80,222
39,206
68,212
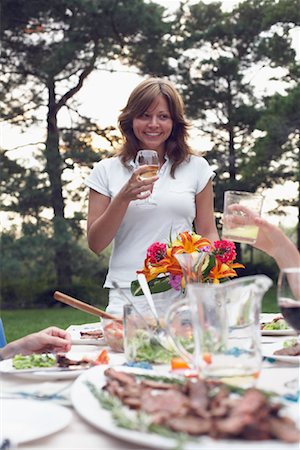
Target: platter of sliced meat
x,y
151,409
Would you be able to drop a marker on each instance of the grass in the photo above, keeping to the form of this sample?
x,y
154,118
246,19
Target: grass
x,y
269,303
20,322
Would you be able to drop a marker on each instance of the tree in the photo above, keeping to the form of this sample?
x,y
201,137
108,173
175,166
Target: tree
x,y
221,53
49,50
280,145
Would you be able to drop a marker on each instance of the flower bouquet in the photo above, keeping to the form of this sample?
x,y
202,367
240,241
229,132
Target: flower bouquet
x,y
162,269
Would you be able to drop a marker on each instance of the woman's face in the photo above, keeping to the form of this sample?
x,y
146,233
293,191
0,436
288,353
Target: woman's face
x,y
153,128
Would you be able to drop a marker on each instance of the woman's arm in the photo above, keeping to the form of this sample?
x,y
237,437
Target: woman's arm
x,y
105,215
273,241
205,223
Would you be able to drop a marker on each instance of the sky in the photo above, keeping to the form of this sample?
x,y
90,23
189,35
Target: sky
x,y
105,93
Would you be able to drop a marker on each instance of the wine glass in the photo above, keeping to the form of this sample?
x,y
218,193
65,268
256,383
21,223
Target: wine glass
x,y
288,297
151,159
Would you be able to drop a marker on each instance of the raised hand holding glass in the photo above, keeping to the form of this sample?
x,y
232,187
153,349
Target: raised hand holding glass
x,y
151,159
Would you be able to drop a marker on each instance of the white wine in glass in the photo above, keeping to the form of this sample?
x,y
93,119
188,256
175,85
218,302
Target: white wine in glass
x,y
149,158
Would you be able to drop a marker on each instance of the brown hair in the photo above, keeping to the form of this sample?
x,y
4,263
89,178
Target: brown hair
x,y
139,101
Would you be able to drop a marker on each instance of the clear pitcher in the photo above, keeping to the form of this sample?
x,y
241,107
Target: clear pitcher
x,y
225,328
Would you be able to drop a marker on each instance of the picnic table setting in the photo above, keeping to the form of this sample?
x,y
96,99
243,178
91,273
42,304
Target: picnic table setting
x,y
208,371
66,407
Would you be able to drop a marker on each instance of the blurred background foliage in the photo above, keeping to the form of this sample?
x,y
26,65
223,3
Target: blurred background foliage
x,y
50,48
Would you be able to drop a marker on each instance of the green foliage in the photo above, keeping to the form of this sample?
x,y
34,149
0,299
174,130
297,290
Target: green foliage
x,y
19,322
219,51
49,49
28,272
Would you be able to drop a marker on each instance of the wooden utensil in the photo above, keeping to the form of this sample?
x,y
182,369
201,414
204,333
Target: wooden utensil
x,y
78,304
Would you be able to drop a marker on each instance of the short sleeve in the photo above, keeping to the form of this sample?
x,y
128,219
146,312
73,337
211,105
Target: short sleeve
x,y
98,178
204,173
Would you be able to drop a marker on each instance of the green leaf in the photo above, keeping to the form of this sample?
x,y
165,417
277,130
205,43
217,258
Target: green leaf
x,y
210,265
135,288
158,285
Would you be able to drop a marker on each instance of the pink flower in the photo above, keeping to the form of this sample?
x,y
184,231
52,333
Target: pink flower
x,y
156,252
225,251
175,282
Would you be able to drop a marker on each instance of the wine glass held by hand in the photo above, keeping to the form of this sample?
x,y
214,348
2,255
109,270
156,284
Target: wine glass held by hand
x,y
288,296
149,160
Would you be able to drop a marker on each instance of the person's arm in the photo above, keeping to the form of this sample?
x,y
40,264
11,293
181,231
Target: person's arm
x,y
205,223
51,339
270,239
105,215
273,241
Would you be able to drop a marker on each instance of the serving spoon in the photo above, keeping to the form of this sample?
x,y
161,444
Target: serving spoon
x,y
160,332
78,304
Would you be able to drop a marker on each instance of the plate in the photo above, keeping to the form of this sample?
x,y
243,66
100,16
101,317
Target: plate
x,y
42,373
74,331
26,420
90,410
268,351
268,317
287,332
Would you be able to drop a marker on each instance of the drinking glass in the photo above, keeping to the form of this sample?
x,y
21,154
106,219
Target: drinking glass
x,y
151,159
236,226
288,297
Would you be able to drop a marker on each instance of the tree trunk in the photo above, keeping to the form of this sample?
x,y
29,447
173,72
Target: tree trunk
x,y
298,201
61,236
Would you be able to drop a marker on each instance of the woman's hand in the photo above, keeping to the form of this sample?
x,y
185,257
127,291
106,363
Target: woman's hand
x,y
51,339
137,188
105,215
270,239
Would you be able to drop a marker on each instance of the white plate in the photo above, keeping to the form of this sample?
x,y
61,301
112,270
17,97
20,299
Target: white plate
x,y
42,373
268,317
26,420
74,331
89,409
268,351
287,332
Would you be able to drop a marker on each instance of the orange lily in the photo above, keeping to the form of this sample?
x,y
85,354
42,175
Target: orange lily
x,y
188,243
222,270
167,264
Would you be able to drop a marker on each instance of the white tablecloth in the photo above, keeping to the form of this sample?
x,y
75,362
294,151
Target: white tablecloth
x,y
80,435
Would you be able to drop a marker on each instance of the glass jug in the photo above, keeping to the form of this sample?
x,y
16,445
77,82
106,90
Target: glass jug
x,y
225,326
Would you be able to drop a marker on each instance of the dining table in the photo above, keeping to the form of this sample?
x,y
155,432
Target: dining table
x,y
276,375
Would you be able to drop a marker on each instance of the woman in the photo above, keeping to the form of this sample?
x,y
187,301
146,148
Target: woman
x,y
152,119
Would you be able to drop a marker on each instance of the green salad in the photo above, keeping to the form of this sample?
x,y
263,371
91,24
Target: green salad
x,y
142,347
279,324
34,360
290,342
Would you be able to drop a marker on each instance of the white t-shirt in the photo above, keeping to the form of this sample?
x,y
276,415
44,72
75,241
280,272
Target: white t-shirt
x,y
142,225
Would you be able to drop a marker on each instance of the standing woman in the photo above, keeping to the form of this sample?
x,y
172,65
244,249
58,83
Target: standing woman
x,y
182,191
